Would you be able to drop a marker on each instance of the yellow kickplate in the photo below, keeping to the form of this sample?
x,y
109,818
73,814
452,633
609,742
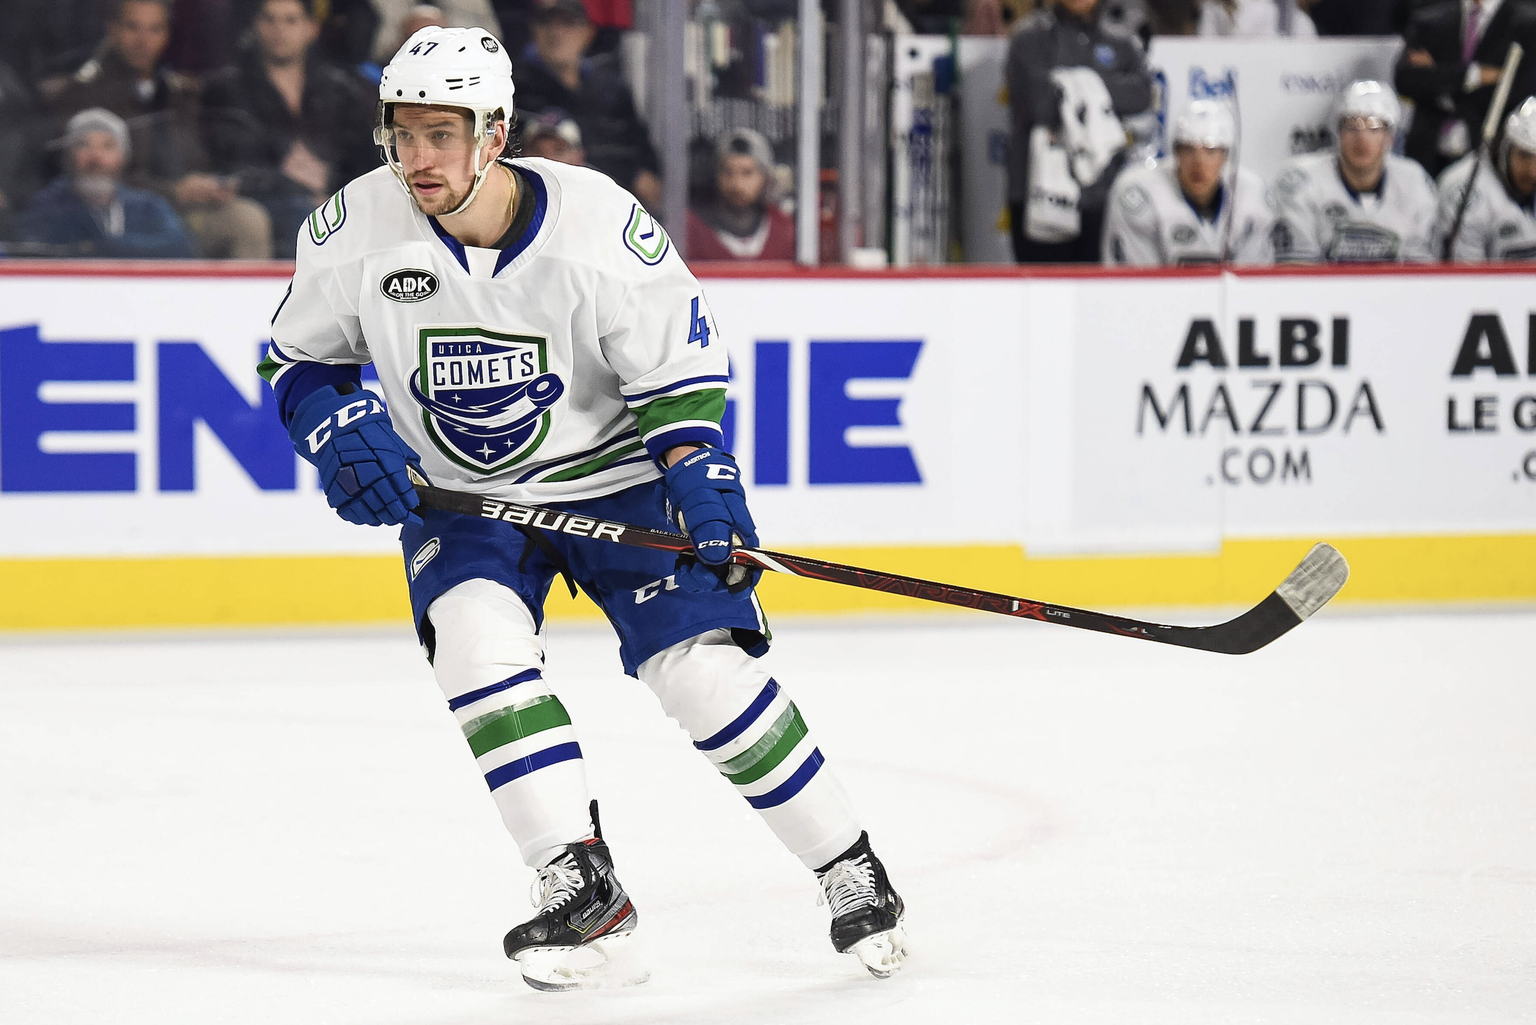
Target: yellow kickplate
x,y
48,594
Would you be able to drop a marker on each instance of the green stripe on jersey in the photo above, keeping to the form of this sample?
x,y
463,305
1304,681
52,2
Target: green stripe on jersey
x,y
269,367
772,748
590,467
705,404
507,725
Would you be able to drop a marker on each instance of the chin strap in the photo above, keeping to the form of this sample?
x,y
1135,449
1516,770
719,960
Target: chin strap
x,y
479,179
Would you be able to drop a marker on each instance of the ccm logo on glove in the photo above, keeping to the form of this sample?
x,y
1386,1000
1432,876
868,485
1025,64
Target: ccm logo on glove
x,y
343,416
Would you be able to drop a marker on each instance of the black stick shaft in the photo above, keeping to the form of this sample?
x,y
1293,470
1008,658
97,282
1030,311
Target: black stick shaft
x,y
1248,632
1485,143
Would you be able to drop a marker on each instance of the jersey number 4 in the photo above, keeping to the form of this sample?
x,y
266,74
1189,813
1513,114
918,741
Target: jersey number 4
x,y
699,330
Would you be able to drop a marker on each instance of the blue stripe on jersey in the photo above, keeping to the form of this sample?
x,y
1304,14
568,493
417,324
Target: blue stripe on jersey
x,y
505,774
688,434
791,786
485,692
540,206
454,245
739,725
705,379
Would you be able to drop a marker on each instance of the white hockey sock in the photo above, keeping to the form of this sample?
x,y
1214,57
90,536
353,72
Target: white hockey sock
x,y
747,726
488,662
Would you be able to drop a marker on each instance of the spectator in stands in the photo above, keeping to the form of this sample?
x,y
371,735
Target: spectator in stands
x,y
1066,35
1362,203
1499,221
554,136
291,127
44,40
163,112
423,15
1193,209
1358,17
743,222
87,211
1252,18
1453,53
19,164
203,34
348,30
456,14
555,73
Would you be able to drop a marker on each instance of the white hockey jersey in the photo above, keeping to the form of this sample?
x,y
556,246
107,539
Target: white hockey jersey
x,y
1319,219
1495,226
537,374
1149,223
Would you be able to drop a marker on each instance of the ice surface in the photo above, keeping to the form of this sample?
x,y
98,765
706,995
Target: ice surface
x,y
289,829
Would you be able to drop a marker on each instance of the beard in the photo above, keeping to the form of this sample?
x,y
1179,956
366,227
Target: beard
x,y
446,199
99,189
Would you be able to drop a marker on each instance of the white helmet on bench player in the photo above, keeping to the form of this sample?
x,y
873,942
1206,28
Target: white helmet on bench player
x,y
1520,127
465,68
1208,124
1371,100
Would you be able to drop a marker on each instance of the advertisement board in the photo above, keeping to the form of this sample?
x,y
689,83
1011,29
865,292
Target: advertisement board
x,y
1109,439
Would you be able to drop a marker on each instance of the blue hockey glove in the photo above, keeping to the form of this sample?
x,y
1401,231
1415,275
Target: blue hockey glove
x,y
705,495
360,457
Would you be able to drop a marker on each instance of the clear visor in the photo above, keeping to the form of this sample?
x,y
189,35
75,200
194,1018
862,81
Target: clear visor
x,y
446,139
1363,123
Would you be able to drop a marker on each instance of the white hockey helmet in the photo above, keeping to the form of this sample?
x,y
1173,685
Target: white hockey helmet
x,y
1208,124
1520,127
1369,98
465,68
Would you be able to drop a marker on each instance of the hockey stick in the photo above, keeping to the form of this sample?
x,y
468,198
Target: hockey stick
x,y
1485,145
1310,585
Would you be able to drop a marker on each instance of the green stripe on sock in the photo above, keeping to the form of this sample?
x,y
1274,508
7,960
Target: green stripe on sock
x,y
771,749
507,725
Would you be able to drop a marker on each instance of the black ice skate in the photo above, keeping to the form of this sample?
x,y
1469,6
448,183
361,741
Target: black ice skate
x,y
866,912
584,925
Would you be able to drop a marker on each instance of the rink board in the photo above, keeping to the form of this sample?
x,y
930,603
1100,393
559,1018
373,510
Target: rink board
x,y
1171,438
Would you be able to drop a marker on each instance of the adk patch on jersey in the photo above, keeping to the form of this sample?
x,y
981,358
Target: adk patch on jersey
x,y
410,285
644,237
485,395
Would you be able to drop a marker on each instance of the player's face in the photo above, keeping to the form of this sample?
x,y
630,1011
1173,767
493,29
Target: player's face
x,y
740,181
284,30
141,33
1363,143
1522,171
1200,170
436,150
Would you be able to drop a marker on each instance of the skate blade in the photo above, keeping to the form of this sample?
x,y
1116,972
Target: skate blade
x,y
611,961
882,953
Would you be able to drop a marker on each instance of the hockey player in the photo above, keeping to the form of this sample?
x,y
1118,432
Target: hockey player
x,y
538,339
1361,203
1176,213
1500,219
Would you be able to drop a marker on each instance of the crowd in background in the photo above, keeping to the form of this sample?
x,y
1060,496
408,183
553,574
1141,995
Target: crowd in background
x,y
213,127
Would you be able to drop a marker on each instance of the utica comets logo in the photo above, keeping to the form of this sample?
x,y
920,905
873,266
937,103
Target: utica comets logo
x,y
485,396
